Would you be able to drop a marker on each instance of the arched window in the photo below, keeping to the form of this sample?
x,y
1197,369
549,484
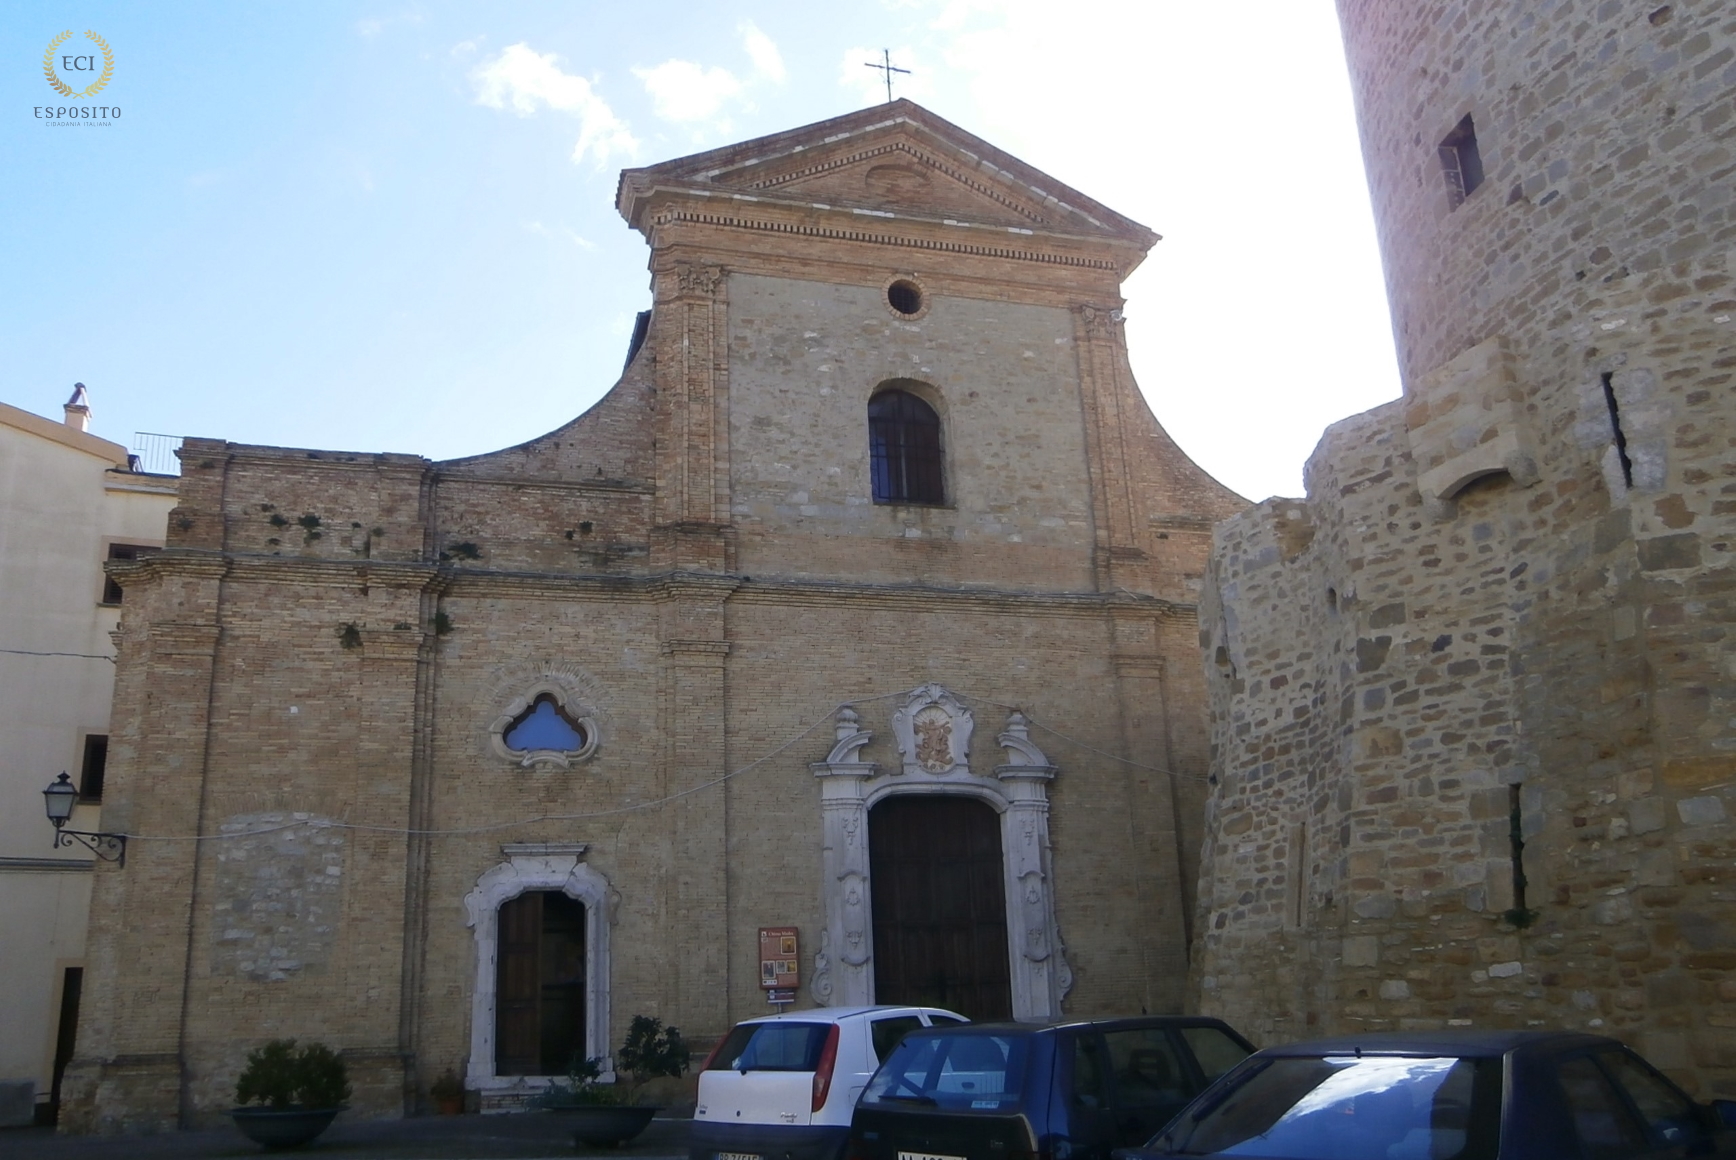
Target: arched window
x,y
904,449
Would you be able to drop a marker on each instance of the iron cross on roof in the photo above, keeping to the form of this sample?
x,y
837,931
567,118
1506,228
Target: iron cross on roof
x,y
888,68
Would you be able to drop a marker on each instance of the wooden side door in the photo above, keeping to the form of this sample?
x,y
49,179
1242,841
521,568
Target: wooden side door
x,y
518,987
539,999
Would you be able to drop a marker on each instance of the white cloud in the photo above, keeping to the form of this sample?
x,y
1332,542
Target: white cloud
x,y
869,83
768,62
683,91
560,232
528,80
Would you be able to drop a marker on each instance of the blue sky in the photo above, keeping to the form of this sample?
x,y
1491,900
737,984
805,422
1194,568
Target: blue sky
x,y
391,226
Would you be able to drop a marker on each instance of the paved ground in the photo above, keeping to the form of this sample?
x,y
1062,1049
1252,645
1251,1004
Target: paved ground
x,y
527,1136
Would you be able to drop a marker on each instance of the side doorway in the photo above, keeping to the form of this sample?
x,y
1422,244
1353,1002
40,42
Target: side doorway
x,y
540,984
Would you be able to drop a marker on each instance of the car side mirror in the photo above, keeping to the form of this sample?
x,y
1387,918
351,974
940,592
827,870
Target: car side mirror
x,y
1724,1113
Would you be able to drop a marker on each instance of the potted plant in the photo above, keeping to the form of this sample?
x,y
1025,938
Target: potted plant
x,y
448,1093
288,1095
604,1116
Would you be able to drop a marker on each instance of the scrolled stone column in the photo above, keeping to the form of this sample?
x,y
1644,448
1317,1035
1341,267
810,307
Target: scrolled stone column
x,y
1040,975
844,964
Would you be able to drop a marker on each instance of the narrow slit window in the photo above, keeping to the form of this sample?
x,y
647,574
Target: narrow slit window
x,y
904,449
1298,873
1609,400
1516,839
1461,162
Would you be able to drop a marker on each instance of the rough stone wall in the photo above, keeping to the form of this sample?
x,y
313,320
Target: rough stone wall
x,y
1488,600
336,638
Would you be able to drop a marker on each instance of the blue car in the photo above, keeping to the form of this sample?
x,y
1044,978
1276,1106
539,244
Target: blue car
x,y
1470,1095
1071,1090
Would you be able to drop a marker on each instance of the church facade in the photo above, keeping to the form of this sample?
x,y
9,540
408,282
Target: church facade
x,y
859,615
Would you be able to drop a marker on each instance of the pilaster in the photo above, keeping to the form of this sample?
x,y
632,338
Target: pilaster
x,y
1151,804
128,1074
1109,403
695,653
692,507
381,1006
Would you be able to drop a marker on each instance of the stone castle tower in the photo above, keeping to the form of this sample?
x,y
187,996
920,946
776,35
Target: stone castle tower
x,y
1474,699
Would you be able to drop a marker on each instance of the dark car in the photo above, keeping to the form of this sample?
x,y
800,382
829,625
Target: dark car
x,y
1021,1091
1470,1095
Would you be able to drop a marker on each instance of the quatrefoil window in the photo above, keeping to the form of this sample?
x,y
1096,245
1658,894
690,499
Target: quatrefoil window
x,y
538,731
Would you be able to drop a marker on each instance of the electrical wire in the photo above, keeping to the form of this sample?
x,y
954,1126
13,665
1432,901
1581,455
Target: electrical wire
x,y
825,720
24,652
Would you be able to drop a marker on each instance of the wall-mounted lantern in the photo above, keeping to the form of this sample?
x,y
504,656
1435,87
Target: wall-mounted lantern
x,y
60,796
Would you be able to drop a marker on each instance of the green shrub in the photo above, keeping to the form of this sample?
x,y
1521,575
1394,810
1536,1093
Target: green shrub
x,y
279,1075
447,1087
651,1050
581,1089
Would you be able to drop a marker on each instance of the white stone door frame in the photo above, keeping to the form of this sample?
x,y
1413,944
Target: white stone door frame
x,y
536,866
933,730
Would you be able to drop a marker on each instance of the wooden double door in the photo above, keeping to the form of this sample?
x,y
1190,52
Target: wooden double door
x,y
939,905
539,1014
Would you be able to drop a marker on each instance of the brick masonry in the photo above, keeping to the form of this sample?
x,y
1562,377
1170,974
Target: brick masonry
x,y
1481,620
698,563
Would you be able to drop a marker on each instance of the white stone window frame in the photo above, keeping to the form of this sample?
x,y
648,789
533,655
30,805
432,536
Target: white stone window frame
x,y
543,758
844,963
536,866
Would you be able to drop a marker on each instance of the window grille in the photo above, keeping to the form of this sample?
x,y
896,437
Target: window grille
x,y
904,449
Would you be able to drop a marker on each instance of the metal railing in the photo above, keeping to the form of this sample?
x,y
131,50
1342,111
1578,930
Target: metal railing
x,y
154,453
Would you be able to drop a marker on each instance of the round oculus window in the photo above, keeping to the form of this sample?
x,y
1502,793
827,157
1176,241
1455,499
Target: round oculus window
x,y
905,297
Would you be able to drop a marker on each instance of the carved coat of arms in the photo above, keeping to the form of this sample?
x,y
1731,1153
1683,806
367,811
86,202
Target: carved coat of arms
x,y
933,730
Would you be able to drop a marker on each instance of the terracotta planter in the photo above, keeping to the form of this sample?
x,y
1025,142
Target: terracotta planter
x,y
450,1105
276,1129
605,1125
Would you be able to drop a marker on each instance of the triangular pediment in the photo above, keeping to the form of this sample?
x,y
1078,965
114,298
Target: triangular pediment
x,y
897,159
898,173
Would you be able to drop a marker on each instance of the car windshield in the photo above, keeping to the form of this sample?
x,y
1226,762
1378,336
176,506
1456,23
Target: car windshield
x,y
972,1072
1347,1108
772,1047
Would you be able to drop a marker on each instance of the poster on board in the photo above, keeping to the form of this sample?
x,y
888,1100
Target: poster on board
x,y
780,957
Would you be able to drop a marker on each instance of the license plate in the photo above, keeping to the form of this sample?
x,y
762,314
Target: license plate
x,y
926,1156
738,1156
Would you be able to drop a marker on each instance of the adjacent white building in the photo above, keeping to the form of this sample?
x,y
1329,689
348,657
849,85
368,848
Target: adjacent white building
x,y
68,501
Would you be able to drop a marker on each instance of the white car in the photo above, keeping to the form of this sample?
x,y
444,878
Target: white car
x,y
783,1087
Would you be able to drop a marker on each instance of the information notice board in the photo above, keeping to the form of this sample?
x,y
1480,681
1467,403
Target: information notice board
x,y
780,959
